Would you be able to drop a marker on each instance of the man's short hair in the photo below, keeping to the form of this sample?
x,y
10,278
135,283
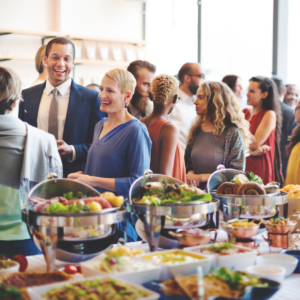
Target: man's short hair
x,y
279,83
10,89
125,79
39,59
61,41
136,65
186,69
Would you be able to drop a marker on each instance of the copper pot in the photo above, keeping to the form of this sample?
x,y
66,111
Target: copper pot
x,y
281,240
189,240
245,243
282,229
241,232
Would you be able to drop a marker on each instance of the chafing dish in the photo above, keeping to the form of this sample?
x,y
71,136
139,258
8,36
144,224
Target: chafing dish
x,y
70,237
172,215
248,207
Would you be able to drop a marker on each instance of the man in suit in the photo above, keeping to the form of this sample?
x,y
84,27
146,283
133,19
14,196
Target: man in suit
x,y
62,107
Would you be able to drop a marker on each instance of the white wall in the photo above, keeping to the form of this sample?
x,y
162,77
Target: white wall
x,y
119,19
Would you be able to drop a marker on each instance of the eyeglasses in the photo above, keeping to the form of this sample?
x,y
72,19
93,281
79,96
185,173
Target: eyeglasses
x,y
296,108
198,75
177,98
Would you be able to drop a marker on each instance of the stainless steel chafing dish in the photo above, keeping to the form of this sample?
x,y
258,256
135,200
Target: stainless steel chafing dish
x,y
70,237
170,215
247,207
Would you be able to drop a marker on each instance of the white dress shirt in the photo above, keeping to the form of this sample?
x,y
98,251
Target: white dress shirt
x,y
184,115
63,96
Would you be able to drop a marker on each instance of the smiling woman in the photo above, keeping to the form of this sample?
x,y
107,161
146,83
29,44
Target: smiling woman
x,y
121,147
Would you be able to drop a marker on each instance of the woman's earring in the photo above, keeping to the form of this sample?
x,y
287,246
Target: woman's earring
x,y
125,105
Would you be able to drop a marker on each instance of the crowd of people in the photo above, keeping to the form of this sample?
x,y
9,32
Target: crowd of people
x,y
107,135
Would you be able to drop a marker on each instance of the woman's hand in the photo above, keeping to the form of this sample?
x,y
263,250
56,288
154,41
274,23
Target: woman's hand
x,y
193,179
260,150
78,176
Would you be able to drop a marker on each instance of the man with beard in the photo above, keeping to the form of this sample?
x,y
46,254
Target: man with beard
x,y
184,113
140,104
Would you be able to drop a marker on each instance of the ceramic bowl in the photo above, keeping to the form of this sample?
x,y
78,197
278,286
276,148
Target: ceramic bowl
x,y
270,272
288,262
296,254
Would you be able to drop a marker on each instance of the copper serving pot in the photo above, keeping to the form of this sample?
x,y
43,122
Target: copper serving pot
x,y
240,232
188,239
282,229
281,240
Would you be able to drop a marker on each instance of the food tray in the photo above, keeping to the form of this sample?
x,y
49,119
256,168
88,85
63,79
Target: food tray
x,y
238,261
187,268
252,293
89,269
36,293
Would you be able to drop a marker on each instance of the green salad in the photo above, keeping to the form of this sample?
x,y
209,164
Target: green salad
x,y
236,280
70,208
251,176
158,193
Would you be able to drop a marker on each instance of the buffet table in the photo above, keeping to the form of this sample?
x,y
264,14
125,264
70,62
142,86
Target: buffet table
x,y
289,290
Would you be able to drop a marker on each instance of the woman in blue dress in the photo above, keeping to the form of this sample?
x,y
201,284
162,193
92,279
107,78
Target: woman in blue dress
x,y
121,147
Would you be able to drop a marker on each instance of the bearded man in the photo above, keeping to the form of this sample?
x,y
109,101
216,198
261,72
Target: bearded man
x,y
140,105
184,114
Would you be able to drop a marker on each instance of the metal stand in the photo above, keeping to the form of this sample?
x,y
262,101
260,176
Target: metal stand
x,y
172,216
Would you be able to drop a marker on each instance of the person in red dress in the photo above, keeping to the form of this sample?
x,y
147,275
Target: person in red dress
x,y
166,154
265,127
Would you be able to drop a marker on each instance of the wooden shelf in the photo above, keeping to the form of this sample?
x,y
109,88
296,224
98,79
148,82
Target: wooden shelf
x,y
50,34
78,61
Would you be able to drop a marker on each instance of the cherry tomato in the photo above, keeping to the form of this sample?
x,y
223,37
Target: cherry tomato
x,y
22,260
71,269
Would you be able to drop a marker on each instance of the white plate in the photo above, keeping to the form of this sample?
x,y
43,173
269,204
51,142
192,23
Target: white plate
x,y
36,293
168,272
14,268
239,261
90,268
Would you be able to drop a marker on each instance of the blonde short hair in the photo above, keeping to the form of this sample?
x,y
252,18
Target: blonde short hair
x,y
162,88
10,89
125,79
39,59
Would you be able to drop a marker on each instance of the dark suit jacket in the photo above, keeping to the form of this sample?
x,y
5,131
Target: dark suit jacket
x,y
288,124
82,115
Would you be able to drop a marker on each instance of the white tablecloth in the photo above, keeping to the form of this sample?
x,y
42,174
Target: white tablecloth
x,y
290,289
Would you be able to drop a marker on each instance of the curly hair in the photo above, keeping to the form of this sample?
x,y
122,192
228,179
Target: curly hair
x,y
10,89
224,110
162,88
271,101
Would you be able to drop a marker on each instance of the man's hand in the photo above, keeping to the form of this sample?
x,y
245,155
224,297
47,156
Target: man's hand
x,y
64,149
81,177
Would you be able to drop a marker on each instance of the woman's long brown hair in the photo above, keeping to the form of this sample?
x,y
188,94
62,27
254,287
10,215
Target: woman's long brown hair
x,y
294,139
